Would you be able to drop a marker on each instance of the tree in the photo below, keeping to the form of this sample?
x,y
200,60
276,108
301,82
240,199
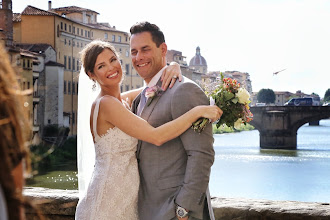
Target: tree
x,y
266,96
327,96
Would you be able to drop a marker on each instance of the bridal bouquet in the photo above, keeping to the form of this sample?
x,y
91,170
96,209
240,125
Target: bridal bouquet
x,y
233,101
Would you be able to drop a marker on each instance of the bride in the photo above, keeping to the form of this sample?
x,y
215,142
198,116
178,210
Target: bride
x,y
113,187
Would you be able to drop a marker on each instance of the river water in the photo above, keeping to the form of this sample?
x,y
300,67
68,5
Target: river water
x,y
242,169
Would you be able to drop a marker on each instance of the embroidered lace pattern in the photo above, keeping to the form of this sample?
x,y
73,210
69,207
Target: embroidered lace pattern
x,y
113,189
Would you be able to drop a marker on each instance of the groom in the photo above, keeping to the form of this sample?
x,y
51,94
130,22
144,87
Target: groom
x,y
174,177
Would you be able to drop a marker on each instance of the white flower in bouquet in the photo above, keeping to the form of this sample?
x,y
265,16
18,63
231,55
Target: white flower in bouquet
x,y
238,123
243,96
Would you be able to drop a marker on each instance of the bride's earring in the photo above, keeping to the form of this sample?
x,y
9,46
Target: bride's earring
x,y
94,86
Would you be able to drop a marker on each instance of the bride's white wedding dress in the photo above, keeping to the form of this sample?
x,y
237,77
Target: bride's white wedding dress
x,y
113,190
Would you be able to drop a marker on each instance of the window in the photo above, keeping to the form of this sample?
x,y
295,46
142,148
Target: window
x,y
78,31
64,62
65,41
85,33
126,38
127,69
81,32
74,30
58,31
113,37
73,88
105,36
81,45
88,34
69,28
69,61
23,63
77,88
127,87
64,87
28,85
77,68
119,38
69,42
23,87
73,63
127,53
65,27
61,25
69,87
49,121
73,118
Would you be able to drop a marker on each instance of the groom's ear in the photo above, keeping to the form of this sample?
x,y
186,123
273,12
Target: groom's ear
x,y
163,46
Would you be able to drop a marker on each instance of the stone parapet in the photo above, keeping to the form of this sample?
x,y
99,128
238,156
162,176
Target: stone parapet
x,y
58,204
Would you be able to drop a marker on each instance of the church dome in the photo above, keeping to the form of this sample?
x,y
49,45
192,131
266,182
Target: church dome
x,y
198,59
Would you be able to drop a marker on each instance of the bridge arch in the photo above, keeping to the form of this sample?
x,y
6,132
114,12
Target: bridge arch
x,y
278,125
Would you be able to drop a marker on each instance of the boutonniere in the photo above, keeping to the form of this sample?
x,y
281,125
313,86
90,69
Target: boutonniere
x,y
152,92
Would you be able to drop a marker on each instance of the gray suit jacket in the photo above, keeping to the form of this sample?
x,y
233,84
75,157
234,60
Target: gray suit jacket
x,y
179,170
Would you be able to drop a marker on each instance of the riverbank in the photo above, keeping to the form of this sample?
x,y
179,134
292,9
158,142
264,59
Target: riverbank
x,y
225,129
58,204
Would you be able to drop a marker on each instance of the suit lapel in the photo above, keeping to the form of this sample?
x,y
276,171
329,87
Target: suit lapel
x,y
146,112
135,103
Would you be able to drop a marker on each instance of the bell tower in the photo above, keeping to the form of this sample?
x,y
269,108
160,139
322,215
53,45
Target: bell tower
x,y
6,22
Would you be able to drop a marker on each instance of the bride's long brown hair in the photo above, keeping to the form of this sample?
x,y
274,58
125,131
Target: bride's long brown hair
x,y
14,133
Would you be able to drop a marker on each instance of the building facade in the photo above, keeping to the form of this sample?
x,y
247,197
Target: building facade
x,y
68,30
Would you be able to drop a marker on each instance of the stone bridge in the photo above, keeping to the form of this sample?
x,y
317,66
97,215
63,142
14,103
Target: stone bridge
x,y
278,125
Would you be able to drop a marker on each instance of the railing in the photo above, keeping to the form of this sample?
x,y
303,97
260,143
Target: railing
x,y
61,205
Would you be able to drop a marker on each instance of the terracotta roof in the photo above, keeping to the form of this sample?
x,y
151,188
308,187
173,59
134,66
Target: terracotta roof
x,y
17,17
30,10
71,9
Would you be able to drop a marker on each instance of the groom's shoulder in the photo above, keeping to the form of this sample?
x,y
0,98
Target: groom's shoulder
x,y
186,83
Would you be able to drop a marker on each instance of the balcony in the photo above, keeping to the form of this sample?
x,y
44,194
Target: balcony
x,y
36,98
35,128
35,74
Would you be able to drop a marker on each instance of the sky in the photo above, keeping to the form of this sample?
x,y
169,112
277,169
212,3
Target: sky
x,y
259,37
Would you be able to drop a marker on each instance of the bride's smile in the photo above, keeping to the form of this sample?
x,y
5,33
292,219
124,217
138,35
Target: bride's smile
x,y
107,69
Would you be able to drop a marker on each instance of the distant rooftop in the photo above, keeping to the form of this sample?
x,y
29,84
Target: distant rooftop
x,y
33,47
72,9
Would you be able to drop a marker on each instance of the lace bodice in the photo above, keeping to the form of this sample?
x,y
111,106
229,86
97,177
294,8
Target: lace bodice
x,y
112,192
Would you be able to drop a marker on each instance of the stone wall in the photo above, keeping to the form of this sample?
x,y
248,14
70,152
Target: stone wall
x,y
60,205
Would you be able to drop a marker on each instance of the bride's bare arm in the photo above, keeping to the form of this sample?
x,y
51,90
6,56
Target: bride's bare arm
x,y
167,81
115,113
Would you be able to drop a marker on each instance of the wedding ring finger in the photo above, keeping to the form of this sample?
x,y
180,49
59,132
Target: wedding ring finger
x,y
174,77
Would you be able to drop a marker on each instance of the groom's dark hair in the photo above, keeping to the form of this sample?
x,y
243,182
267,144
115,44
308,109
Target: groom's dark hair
x,y
144,26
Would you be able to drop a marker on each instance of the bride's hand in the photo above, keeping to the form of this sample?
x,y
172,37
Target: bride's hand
x,y
212,112
170,75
